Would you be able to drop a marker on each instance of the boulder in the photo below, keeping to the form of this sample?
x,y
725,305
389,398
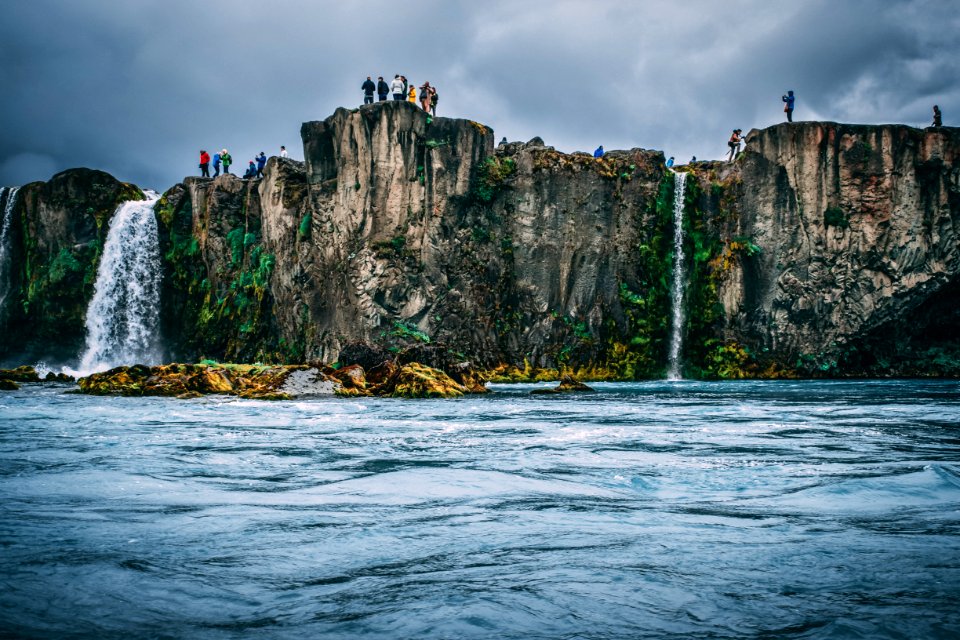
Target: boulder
x,y
364,354
415,380
567,385
8,385
20,374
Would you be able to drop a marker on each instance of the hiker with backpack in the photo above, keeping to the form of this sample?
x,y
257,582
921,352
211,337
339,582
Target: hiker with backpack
x,y
227,160
788,101
734,144
216,164
425,96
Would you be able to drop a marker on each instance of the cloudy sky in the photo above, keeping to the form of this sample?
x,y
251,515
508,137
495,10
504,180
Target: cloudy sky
x,y
136,87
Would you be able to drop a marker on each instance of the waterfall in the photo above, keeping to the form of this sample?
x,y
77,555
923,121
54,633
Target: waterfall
x,y
11,200
123,318
676,290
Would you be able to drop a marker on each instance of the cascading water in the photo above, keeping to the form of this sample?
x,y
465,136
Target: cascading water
x,y
676,293
10,195
124,315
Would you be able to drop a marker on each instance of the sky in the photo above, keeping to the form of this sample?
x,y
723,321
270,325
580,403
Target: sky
x,y
137,87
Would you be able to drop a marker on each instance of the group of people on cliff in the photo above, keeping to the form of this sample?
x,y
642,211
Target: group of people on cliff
x,y
223,159
401,90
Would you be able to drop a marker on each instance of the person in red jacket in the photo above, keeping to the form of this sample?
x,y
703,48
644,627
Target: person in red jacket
x,y
204,164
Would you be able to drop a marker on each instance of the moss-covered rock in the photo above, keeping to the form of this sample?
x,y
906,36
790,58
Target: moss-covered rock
x,y
567,385
8,385
415,380
20,374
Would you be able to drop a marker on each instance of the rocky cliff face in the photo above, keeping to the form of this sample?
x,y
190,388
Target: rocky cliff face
x,y
858,229
825,249
56,239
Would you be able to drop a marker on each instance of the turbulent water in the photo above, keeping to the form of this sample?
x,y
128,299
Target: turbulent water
x,y
8,196
123,318
679,278
669,510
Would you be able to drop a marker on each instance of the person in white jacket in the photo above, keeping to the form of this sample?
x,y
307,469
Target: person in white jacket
x,y
396,88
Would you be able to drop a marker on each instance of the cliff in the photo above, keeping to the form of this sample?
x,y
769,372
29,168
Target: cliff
x,y
826,249
857,231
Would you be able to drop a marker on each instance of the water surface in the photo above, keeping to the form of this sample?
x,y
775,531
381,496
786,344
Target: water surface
x,y
673,510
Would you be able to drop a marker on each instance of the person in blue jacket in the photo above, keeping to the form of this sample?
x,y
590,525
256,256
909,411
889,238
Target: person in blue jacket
x,y
261,163
788,105
670,162
216,164
599,152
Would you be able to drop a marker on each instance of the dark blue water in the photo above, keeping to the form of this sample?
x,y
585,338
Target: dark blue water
x,y
673,510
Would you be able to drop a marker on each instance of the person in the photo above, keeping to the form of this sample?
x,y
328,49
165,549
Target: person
x,y
251,171
734,144
368,89
406,85
283,152
261,163
788,105
396,88
412,96
504,140
937,117
433,101
216,164
425,96
670,162
227,160
693,159
204,164
598,153
382,89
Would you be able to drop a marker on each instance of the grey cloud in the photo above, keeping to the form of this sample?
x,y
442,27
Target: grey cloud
x,y
137,88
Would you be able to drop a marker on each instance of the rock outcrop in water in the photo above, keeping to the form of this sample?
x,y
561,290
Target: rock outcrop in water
x,y
825,249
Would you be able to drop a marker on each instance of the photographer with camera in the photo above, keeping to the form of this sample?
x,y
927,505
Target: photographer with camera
x,y
788,105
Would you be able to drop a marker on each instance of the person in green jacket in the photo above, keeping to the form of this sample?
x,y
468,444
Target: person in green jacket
x,y
227,160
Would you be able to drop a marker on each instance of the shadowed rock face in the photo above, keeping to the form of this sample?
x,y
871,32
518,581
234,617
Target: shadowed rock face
x,y
858,225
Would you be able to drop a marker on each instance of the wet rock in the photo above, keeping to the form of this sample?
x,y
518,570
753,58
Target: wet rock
x,y
352,381
58,377
415,380
567,385
20,374
8,385
382,373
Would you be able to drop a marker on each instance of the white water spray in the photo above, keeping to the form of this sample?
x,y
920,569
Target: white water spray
x,y
11,200
123,318
676,330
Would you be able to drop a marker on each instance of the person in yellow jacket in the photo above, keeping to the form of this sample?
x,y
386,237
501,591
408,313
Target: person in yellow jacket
x,y
412,96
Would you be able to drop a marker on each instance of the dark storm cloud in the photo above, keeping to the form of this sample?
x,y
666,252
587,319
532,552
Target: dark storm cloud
x,y
138,87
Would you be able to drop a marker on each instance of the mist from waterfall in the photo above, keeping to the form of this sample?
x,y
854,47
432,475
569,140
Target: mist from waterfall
x,y
8,196
679,278
123,318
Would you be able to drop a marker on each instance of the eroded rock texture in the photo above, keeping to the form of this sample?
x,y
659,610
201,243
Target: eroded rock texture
x,y
859,228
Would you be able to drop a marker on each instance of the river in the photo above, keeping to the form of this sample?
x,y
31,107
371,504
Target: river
x,y
662,510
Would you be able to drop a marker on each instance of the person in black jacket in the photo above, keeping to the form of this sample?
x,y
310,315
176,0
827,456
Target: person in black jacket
x,y
382,89
937,116
368,89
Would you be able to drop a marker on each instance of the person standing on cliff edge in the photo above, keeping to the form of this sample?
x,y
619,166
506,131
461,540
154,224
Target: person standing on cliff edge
x,y
368,89
283,152
788,105
937,116
598,153
396,88
382,89
204,164
734,144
